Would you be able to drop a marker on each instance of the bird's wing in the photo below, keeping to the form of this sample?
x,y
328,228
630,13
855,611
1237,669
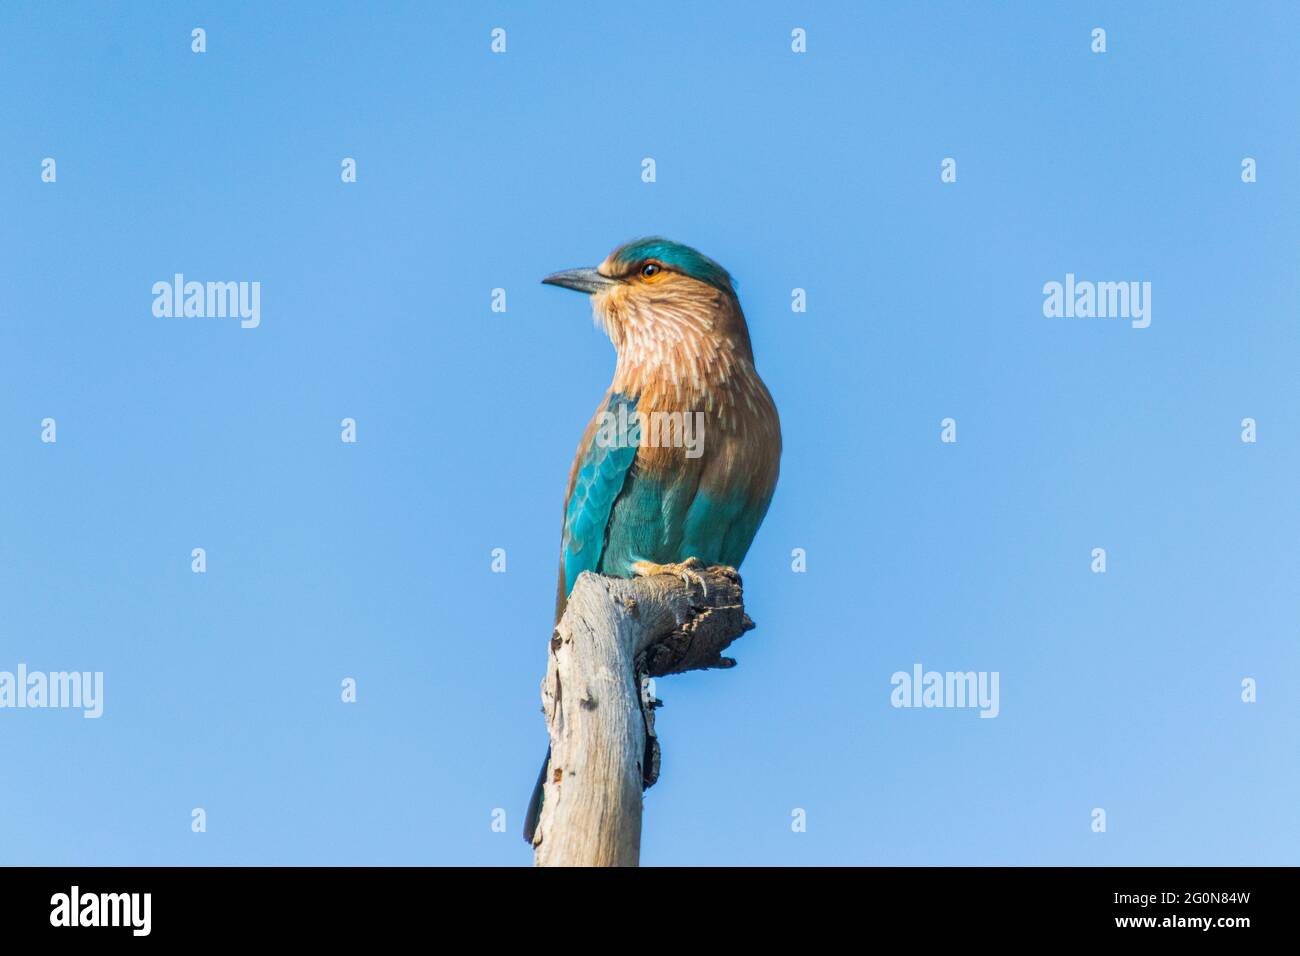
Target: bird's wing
x,y
599,473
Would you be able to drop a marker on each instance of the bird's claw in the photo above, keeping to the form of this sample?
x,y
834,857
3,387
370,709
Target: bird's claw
x,y
688,571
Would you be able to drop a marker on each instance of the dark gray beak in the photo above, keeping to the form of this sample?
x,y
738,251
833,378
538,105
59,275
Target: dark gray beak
x,y
582,280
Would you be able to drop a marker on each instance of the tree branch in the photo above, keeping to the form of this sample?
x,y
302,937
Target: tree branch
x,y
613,633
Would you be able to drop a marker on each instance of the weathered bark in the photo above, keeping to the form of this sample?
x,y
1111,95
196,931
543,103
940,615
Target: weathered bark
x,y
613,633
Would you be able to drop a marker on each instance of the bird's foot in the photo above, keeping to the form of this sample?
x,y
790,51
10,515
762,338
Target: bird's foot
x,y
688,571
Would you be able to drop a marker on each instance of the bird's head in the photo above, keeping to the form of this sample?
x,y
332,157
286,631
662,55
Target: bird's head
x,y
658,291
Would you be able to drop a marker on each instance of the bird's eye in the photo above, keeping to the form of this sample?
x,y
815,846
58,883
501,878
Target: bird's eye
x,y
650,270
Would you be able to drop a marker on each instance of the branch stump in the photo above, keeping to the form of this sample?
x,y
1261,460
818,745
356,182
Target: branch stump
x,y
616,632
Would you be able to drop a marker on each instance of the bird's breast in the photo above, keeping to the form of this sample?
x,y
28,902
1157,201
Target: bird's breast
x,y
724,438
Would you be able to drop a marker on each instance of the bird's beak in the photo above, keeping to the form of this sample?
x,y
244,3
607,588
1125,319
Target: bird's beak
x,y
582,280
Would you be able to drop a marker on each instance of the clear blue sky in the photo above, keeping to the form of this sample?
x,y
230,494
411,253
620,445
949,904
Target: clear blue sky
x,y
372,560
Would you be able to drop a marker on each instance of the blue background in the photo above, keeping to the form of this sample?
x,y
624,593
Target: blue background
x,y
821,171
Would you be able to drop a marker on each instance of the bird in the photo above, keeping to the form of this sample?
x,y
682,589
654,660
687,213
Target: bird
x,y
638,504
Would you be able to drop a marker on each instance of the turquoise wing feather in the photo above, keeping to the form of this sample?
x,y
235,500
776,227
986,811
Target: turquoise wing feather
x,y
669,519
618,515
599,482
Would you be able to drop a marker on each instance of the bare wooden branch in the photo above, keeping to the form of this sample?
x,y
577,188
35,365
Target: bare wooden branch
x,y
603,750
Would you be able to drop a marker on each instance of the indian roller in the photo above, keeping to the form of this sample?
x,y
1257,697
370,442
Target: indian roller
x,y
646,494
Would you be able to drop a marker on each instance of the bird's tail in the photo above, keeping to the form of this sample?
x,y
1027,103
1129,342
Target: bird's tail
x,y
535,801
